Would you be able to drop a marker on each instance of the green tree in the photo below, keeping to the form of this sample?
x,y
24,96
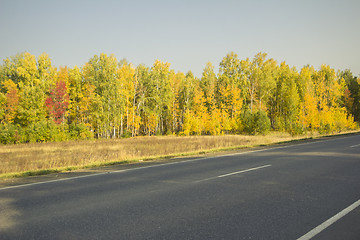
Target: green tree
x,y
101,71
285,102
351,97
208,84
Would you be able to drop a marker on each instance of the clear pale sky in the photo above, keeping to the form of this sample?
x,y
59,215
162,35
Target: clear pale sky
x,y
187,34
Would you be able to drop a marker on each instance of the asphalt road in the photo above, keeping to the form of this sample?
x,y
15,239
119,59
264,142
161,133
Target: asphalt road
x,y
282,192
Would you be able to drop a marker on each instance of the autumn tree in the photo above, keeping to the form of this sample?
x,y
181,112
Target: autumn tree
x,y
196,118
158,97
175,118
58,101
230,77
126,78
308,118
32,78
186,95
11,101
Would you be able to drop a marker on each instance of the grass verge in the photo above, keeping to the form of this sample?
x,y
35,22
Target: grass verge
x,y
25,160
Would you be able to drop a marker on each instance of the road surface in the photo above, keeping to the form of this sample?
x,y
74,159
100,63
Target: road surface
x,y
295,191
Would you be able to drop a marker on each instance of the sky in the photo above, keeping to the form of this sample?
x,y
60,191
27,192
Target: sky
x,y
186,33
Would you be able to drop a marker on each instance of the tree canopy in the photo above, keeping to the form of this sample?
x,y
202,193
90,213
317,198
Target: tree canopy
x,y
107,98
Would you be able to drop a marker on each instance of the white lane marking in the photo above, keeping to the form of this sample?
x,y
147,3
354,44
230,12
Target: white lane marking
x,y
330,221
357,145
164,164
242,171
233,173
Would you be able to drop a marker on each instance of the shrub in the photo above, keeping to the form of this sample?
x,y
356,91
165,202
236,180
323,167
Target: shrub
x,y
10,133
256,123
296,129
79,131
325,128
5,134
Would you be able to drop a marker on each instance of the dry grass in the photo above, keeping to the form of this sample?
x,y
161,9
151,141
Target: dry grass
x,y
60,156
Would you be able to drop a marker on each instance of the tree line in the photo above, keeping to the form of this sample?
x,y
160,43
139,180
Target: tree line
x,y
107,98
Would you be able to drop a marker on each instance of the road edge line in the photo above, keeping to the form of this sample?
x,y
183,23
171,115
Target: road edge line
x,y
329,222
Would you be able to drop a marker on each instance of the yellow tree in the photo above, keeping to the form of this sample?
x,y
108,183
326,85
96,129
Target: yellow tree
x,y
175,80
134,121
126,75
200,112
34,79
236,108
81,94
329,90
231,75
46,73
308,115
214,125
209,85
187,125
